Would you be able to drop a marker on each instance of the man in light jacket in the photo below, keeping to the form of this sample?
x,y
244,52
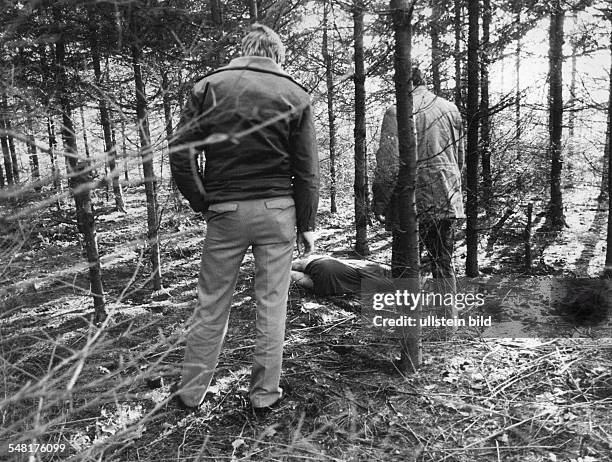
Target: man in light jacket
x,y
261,181
440,147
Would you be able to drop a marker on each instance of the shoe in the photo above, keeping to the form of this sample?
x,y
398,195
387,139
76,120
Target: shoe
x,y
177,401
265,411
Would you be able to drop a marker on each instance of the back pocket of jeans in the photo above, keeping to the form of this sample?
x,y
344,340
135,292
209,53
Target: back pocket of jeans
x,y
280,203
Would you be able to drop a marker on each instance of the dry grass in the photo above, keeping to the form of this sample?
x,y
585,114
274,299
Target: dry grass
x,y
101,391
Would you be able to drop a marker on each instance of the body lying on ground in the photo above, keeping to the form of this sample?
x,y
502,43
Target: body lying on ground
x,y
326,276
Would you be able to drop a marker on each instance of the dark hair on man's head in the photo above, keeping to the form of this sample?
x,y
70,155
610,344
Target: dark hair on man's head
x,y
417,77
263,41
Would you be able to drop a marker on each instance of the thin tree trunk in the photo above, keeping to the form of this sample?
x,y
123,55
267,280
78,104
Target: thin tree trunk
x,y
6,153
485,118
2,182
572,106
253,11
57,181
150,181
457,57
9,136
517,71
331,116
608,152
555,218
405,262
436,48
471,264
216,13
361,212
78,180
176,195
126,166
84,128
603,189
34,164
110,147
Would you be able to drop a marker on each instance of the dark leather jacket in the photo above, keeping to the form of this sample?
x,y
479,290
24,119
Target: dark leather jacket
x,y
254,123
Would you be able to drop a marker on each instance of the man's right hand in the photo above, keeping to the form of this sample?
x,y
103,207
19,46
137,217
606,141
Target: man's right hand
x,y
305,243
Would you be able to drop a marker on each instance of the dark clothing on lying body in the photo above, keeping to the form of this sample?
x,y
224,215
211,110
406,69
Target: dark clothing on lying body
x,y
331,276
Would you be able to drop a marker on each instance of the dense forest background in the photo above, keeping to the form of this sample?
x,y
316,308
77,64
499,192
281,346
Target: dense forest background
x,y
99,252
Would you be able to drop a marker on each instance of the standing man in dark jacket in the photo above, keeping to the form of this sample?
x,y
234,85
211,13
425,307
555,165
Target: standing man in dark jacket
x,y
261,179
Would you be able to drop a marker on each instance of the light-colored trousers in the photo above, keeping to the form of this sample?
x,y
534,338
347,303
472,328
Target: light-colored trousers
x,y
268,226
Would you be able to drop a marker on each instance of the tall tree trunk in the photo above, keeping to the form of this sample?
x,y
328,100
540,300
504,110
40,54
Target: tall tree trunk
x,y
2,182
608,153
457,57
126,164
57,181
517,71
436,46
331,115
485,117
471,263
253,11
78,180
6,153
405,262
603,189
33,154
216,13
555,218
84,128
110,147
572,104
176,195
361,205
150,181
11,142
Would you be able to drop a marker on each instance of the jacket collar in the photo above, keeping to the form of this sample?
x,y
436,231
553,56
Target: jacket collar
x,y
256,62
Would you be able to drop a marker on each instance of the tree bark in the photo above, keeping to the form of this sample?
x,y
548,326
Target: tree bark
x,y
608,153
405,262
555,218
6,153
216,13
126,165
572,103
471,264
110,147
84,128
57,181
517,71
176,195
331,115
436,48
253,11
361,206
603,189
150,180
79,181
485,117
10,140
457,57
33,154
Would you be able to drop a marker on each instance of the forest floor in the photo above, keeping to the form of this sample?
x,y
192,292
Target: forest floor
x,y
100,391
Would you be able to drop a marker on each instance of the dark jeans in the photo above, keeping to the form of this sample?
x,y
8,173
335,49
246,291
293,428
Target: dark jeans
x,y
438,238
